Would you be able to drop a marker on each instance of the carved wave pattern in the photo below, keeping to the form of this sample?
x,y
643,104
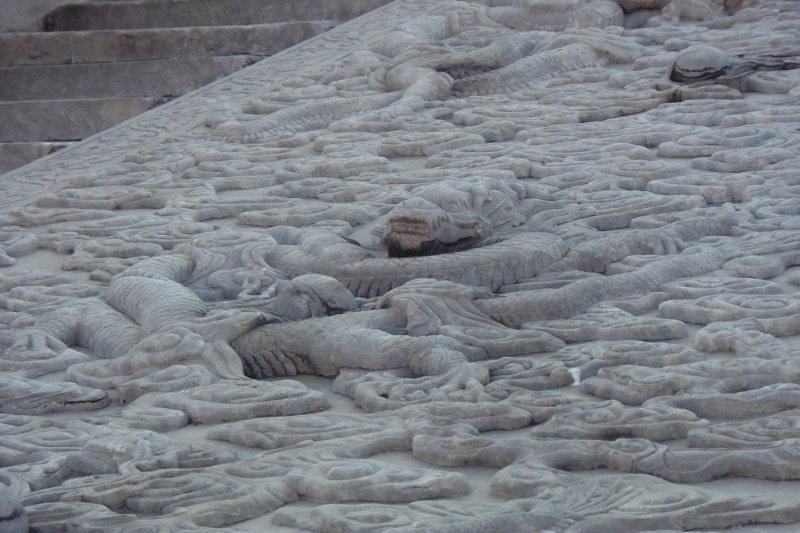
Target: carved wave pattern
x,y
449,267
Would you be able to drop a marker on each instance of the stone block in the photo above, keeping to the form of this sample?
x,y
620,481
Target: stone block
x,y
66,120
150,14
57,48
168,77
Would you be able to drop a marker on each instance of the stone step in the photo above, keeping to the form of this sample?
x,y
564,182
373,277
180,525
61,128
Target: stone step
x,y
66,120
54,48
13,155
163,77
97,15
26,15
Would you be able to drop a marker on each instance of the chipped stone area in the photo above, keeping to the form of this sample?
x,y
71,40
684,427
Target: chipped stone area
x,y
449,267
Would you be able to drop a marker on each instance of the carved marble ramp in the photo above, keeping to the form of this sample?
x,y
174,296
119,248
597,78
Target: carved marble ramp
x,y
449,267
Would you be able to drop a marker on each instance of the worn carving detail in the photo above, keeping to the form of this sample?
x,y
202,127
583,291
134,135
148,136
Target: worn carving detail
x,y
423,273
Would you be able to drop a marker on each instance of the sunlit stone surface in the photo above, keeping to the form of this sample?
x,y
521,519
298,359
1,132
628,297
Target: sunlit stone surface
x,y
449,267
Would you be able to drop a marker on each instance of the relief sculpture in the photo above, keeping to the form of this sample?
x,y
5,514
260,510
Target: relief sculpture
x,y
452,266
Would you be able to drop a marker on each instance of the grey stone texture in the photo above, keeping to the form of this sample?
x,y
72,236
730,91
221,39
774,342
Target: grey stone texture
x,y
16,154
66,120
105,15
163,77
101,63
100,46
448,267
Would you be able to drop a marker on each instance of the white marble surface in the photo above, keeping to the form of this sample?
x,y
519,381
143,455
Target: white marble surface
x,y
449,267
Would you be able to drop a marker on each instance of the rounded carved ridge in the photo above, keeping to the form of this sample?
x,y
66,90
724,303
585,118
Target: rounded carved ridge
x,y
451,266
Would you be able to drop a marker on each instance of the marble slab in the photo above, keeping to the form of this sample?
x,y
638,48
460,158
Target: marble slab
x,y
448,267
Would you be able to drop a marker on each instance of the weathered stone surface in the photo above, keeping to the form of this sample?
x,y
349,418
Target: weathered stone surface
x,y
165,77
449,267
66,120
149,14
19,16
57,48
16,154
13,517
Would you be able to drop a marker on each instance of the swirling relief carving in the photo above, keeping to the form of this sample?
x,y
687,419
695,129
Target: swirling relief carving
x,y
452,266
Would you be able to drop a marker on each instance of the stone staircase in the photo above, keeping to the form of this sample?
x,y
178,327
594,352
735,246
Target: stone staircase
x,y
97,63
